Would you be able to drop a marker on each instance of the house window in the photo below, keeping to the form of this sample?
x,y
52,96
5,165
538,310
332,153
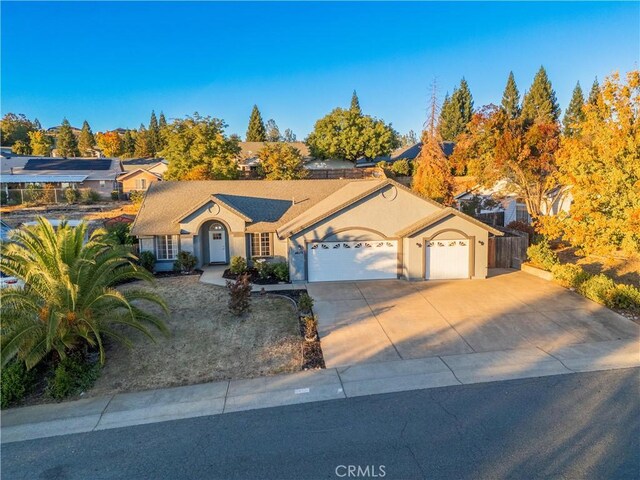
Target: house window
x,y
261,245
141,183
166,247
522,215
102,183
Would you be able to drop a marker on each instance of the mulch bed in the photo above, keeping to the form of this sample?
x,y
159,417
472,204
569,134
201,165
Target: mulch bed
x,y
196,271
312,357
254,277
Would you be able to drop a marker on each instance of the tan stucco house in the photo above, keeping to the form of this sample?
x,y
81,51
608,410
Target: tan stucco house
x,y
324,229
139,173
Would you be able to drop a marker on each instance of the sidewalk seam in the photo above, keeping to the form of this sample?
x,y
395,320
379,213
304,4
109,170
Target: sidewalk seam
x,y
451,370
380,324
557,359
226,395
103,412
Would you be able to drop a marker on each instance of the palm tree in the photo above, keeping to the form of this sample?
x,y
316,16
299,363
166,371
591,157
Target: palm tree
x,y
70,300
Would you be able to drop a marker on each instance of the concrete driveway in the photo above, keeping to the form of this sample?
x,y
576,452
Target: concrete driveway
x,y
383,320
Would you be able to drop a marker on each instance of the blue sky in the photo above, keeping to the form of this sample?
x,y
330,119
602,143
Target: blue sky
x,y
112,63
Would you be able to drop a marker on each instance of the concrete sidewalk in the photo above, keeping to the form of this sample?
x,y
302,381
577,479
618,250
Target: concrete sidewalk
x,y
212,275
161,405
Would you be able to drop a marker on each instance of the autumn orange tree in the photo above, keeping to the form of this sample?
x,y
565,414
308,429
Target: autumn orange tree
x,y
601,165
517,151
110,143
432,175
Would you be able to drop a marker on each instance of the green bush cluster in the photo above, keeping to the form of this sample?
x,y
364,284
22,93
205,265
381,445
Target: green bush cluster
x,y
542,256
279,270
569,275
16,381
89,196
74,374
147,260
71,195
136,197
115,195
185,262
598,288
238,265
305,302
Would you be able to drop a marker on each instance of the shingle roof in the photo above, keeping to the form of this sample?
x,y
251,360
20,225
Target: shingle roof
x,y
268,203
444,213
144,163
251,149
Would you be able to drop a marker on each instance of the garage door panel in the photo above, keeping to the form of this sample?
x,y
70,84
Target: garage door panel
x,y
336,261
447,259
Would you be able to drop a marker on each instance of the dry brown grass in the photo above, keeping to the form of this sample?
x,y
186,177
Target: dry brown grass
x,y
620,269
207,343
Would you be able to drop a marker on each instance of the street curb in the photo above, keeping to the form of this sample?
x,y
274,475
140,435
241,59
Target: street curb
x,y
154,406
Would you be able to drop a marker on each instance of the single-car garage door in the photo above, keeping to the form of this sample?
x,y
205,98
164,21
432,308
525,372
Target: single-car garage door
x,y
334,261
447,259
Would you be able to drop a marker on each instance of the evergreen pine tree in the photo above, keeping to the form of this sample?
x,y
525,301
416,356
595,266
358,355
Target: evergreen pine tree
x,y
143,143
87,140
465,102
256,131
574,114
540,101
450,118
511,98
289,136
355,104
66,143
154,134
593,94
128,145
162,121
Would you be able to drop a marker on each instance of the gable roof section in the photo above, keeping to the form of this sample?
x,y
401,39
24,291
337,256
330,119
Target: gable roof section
x,y
136,171
215,199
268,204
341,200
442,214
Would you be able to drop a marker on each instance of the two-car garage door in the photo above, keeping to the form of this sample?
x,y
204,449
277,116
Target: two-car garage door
x,y
366,260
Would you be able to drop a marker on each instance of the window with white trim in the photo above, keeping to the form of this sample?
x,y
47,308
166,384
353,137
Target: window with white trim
x,y
166,247
141,183
261,245
103,183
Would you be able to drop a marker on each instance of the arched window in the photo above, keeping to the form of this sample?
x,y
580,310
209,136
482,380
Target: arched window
x,y
216,227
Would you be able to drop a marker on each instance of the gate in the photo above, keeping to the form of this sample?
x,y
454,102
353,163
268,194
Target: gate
x,y
508,251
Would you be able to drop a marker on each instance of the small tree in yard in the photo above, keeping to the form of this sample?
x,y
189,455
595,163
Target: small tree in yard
x,y
239,294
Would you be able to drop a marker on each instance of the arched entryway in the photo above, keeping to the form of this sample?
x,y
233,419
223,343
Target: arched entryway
x,y
215,243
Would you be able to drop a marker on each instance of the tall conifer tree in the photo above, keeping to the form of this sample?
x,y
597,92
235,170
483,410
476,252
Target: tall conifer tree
x,y
574,115
540,103
256,131
66,143
87,140
154,134
593,94
355,104
511,98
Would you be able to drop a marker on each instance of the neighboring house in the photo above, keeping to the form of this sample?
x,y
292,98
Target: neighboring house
x,y
248,157
324,229
410,152
23,172
139,173
503,207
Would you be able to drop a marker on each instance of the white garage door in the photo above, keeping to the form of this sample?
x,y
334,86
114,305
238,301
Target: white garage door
x,y
447,259
333,261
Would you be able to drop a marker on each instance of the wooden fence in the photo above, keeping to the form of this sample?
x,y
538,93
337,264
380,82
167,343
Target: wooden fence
x,y
326,174
508,251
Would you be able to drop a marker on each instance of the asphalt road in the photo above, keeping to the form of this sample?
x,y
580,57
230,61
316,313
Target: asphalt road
x,y
566,426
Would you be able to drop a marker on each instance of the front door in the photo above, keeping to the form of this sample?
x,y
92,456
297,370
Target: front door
x,y
217,244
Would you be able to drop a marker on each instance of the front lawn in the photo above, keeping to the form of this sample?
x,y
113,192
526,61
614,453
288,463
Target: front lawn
x,y
207,342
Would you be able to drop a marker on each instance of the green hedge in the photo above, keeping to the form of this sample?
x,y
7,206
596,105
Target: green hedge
x,y
541,255
16,382
598,288
74,374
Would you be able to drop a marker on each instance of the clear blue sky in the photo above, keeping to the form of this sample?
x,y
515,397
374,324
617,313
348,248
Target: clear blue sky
x,y
112,63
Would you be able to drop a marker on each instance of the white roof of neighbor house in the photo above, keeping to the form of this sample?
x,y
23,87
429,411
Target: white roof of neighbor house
x,y
329,164
43,178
